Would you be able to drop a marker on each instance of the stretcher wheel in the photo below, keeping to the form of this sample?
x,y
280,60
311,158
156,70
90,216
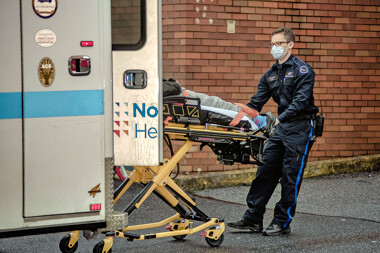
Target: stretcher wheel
x,y
215,243
98,248
179,237
64,245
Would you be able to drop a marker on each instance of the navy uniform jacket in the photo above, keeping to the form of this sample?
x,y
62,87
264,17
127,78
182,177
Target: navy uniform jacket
x,y
291,86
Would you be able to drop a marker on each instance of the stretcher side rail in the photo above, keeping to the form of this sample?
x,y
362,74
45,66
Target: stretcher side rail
x,y
229,146
188,110
180,106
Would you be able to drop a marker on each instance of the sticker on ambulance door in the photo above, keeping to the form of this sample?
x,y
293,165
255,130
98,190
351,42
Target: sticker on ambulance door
x,y
45,38
46,72
45,8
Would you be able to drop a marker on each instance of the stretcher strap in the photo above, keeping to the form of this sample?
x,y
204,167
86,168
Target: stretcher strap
x,y
252,113
244,110
237,118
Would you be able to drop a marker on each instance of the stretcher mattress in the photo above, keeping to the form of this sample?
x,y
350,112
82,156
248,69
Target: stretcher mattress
x,y
207,109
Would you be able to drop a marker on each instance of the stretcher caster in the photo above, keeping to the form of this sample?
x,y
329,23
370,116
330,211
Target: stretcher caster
x,y
179,225
214,236
69,243
104,246
215,243
179,237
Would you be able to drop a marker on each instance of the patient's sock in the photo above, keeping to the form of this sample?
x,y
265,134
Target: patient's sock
x,y
260,121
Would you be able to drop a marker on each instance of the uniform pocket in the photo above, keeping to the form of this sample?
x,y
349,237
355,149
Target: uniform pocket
x,y
289,85
300,151
289,81
273,85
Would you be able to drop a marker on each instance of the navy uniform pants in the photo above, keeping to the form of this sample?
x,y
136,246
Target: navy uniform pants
x,y
285,157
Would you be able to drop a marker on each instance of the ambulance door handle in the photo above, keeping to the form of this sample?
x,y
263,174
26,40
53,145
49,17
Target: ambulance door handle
x,y
135,79
79,65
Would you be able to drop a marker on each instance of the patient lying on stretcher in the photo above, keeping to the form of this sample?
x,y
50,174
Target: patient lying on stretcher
x,y
216,110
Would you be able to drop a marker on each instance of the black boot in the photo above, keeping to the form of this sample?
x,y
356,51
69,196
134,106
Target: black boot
x,y
274,229
245,224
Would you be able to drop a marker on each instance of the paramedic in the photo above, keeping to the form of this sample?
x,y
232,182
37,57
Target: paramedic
x,y
290,83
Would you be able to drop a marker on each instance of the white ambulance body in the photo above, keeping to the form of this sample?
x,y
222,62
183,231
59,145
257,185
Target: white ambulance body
x,y
79,93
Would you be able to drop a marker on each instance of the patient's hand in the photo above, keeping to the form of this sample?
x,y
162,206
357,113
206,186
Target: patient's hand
x,y
277,122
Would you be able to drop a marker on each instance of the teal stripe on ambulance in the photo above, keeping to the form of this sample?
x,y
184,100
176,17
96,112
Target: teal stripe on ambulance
x,y
10,105
52,104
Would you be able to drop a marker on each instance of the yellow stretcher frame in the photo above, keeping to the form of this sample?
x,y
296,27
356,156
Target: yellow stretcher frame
x,y
157,180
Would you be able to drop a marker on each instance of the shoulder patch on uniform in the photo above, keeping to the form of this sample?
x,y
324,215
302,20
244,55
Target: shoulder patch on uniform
x,y
304,70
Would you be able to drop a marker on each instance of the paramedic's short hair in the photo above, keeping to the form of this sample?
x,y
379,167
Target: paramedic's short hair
x,y
288,33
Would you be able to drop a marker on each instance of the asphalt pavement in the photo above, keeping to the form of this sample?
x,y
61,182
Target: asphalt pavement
x,y
338,213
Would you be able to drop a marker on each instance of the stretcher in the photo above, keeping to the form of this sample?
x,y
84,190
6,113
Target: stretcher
x,y
185,122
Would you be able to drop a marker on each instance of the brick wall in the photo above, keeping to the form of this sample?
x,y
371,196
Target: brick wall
x,y
340,39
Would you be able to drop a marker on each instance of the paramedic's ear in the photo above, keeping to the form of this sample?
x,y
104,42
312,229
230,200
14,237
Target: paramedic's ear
x,y
291,45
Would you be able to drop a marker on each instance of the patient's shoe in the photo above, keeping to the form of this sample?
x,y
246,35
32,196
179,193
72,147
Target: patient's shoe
x,y
268,130
245,224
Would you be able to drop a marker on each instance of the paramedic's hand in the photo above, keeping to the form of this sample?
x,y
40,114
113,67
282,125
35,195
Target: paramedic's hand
x,y
277,122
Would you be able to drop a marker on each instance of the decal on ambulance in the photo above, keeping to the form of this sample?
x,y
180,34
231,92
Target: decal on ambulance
x,y
139,110
45,8
94,190
46,72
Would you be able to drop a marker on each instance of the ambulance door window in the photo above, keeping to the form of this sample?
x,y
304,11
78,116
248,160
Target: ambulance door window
x,y
128,24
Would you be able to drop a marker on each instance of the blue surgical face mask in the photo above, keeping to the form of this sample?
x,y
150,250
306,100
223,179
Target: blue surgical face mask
x,y
278,52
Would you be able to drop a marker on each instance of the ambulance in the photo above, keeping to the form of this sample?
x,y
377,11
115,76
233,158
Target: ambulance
x,y
80,92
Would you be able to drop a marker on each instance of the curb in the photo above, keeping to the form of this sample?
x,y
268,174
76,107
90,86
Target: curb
x,y
202,181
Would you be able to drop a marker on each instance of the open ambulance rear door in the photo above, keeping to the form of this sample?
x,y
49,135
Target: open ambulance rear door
x,y
137,78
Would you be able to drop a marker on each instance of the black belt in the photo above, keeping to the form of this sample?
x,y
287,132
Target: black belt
x,y
301,117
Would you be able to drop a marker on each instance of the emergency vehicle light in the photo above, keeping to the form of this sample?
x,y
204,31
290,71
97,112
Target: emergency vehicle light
x,y
95,207
86,43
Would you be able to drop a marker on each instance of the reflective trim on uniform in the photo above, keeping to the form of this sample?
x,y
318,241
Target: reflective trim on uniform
x,y
295,62
299,175
299,60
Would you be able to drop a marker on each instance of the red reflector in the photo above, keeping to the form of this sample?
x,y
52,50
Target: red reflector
x,y
95,207
84,63
86,43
